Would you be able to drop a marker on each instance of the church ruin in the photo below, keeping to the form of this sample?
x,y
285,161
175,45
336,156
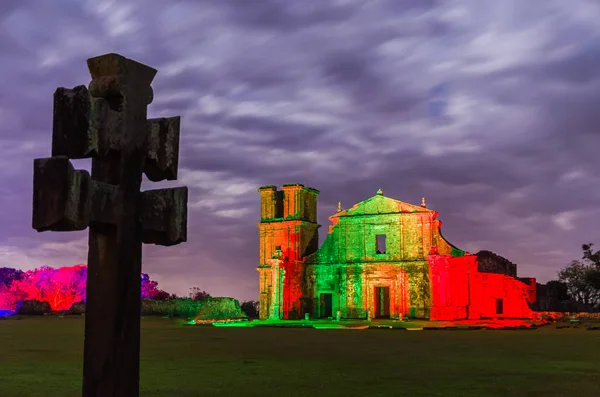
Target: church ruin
x,y
382,258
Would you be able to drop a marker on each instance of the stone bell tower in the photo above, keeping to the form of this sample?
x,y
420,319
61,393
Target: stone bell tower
x,y
288,233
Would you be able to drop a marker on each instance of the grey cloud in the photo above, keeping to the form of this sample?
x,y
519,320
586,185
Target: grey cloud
x,y
280,16
203,83
580,68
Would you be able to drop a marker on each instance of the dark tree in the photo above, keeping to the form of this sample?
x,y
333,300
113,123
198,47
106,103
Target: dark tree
x,y
34,308
198,295
150,289
162,295
590,255
577,278
593,279
558,289
593,258
8,275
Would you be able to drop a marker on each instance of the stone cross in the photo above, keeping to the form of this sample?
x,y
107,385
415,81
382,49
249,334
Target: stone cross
x,y
109,123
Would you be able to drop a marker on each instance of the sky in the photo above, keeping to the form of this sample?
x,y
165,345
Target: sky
x,y
489,109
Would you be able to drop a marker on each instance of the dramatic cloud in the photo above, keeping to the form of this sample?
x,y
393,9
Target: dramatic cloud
x,y
489,109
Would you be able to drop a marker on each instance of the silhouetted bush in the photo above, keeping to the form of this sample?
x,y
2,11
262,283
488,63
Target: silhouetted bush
x,y
250,308
34,308
198,295
78,308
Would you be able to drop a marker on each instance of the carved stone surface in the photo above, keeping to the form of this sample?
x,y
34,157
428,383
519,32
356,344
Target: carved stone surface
x,y
109,123
164,216
61,196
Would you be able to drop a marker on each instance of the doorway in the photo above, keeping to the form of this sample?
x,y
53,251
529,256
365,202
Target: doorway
x,y
382,302
326,306
499,306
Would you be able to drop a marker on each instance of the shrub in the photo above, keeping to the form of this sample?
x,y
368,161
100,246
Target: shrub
x,y
180,307
250,308
34,308
77,308
220,309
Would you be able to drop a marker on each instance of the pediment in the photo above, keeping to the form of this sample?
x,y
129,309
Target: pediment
x,y
380,204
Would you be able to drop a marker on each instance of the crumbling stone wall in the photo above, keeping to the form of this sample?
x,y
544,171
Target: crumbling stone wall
x,y
489,262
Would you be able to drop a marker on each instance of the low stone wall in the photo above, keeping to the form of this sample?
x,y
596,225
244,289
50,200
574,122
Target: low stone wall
x,y
573,315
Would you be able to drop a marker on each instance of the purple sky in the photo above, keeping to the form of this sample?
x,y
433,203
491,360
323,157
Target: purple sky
x,y
488,108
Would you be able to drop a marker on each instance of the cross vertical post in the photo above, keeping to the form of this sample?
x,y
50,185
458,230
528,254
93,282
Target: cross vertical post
x,y
108,122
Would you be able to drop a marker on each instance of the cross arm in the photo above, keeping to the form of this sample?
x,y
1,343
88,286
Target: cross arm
x,y
65,199
163,214
60,195
162,149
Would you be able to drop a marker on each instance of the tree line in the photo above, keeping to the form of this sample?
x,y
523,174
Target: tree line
x,y
577,287
48,289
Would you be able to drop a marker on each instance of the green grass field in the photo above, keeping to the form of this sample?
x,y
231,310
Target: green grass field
x,y
43,357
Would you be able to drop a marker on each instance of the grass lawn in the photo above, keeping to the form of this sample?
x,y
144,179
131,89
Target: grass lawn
x,y
43,357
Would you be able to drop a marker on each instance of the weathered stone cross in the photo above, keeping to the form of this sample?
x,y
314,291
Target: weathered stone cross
x,y
109,124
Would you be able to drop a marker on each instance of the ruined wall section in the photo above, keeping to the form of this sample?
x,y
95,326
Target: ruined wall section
x,y
489,262
460,291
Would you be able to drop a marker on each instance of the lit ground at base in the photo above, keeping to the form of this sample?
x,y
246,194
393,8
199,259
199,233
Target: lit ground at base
x,y
43,357
389,324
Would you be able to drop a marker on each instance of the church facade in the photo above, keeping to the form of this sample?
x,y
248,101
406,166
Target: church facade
x,y
382,258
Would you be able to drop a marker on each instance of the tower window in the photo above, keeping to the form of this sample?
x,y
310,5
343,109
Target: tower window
x,y
380,246
279,204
